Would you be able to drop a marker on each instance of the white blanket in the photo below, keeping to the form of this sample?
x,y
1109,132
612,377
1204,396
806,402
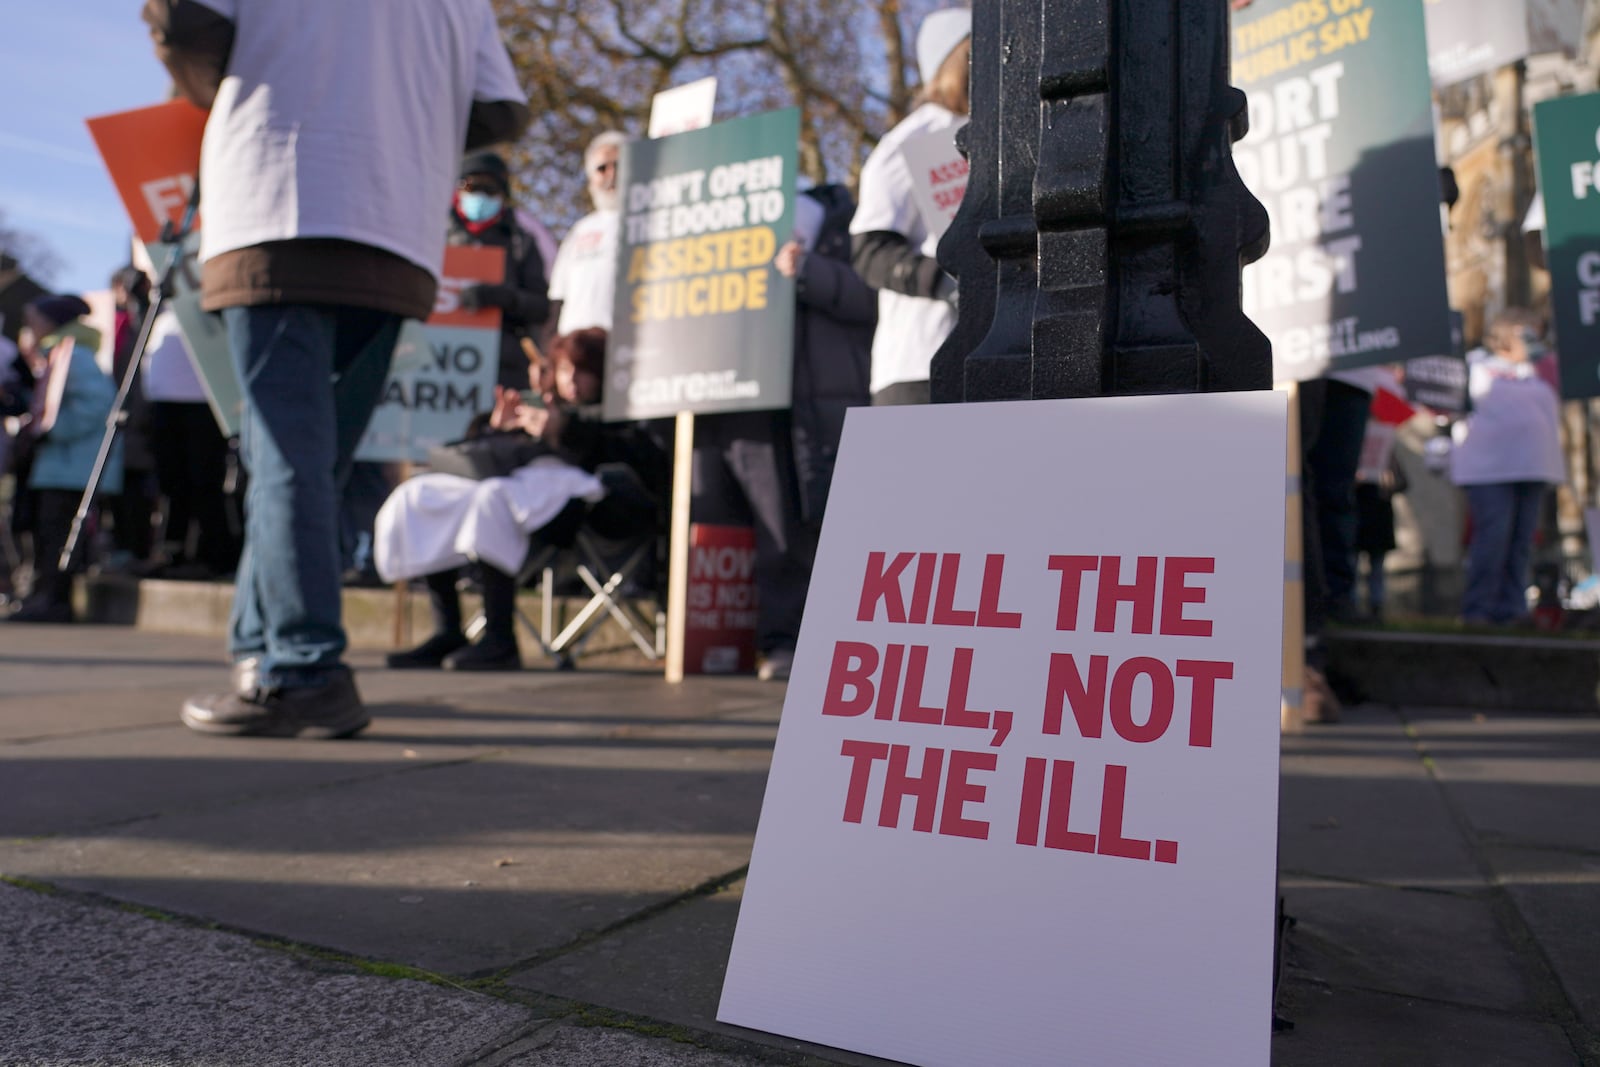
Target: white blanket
x,y
436,522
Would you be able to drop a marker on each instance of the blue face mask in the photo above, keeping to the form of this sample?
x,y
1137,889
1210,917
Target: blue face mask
x,y
478,207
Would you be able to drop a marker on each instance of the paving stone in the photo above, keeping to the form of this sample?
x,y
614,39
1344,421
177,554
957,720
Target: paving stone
x,y
1357,803
1437,946
1556,894
1344,1027
408,867
569,1046
91,985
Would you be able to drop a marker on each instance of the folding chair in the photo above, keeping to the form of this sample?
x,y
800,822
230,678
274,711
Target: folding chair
x,y
614,555
607,551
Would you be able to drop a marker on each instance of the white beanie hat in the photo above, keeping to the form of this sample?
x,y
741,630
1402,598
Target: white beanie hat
x,y
938,36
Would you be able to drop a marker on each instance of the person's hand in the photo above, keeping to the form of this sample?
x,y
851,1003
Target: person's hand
x,y
538,422
475,297
507,404
789,259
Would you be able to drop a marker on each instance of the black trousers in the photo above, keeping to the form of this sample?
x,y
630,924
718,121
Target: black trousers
x,y
744,475
52,523
499,602
191,458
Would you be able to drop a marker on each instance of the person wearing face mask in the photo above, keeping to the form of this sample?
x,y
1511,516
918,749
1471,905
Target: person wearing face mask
x,y
583,279
892,248
1507,455
481,214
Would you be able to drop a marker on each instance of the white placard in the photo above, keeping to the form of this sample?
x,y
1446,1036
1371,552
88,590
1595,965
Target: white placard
x,y
685,107
938,177
1009,913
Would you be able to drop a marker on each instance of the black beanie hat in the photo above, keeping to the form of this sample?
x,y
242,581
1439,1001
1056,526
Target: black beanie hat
x,y
488,164
60,309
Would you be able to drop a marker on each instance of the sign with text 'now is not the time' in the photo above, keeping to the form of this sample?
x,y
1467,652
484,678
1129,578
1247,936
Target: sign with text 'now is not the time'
x,y
1023,804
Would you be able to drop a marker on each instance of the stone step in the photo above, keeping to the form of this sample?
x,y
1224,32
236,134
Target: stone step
x,y
1481,672
381,618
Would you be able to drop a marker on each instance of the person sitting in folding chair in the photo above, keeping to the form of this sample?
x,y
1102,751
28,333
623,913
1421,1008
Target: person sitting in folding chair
x,y
436,524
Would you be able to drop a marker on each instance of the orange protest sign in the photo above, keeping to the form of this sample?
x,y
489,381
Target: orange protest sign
x,y
153,155
465,267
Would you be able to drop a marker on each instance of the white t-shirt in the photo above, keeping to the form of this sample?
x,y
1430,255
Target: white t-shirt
x,y
910,328
346,120
584,278
169,374
1514,431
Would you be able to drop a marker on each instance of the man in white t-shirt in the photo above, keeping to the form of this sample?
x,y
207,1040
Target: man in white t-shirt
x,y
329,156
583,280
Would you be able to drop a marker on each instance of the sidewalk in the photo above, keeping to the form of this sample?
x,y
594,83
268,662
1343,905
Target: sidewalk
x,y
544,869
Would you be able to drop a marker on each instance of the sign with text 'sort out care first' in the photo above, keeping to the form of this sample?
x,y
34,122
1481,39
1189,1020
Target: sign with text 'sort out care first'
x,y
1567,142
1023,804
1341,153
703,321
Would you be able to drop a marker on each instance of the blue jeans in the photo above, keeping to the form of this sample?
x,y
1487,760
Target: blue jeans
x,y
1504,516
310,377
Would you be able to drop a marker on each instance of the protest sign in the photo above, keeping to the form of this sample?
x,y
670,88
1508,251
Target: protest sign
x,y
1567,144
1469,37
153,157
1023,803
1440,382
444,370
703,322
720,631
1341,154
1388,413
684,108
938,177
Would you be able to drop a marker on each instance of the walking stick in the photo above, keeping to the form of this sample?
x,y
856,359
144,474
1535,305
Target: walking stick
x,y
173,236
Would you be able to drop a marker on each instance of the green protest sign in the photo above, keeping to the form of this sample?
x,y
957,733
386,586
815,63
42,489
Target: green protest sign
x,y
1567,143
703,322
1341,154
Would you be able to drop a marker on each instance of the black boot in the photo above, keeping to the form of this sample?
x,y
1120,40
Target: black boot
x,y
428,655
492,653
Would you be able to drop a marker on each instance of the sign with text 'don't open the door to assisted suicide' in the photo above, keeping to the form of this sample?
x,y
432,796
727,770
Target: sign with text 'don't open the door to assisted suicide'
x,y
1023,804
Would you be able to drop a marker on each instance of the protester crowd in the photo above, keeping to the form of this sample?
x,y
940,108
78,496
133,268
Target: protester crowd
x,y
314,252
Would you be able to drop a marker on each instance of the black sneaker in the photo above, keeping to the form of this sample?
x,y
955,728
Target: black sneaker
x,y
428,655
489,654
330,710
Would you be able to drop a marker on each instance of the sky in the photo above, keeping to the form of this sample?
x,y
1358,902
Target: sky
x,y
61,62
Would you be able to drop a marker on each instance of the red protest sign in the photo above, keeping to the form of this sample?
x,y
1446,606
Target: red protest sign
x,y
153,155
720,631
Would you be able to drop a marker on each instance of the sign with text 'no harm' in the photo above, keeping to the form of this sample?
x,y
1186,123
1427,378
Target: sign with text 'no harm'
x,y
703,322
1341,153
1567,143
443,371
1023,803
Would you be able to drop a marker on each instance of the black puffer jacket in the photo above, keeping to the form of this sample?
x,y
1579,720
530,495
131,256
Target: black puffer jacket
x,y
835,316
527,276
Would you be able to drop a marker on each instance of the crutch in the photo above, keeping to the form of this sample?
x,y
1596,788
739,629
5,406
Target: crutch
x,y
173,236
